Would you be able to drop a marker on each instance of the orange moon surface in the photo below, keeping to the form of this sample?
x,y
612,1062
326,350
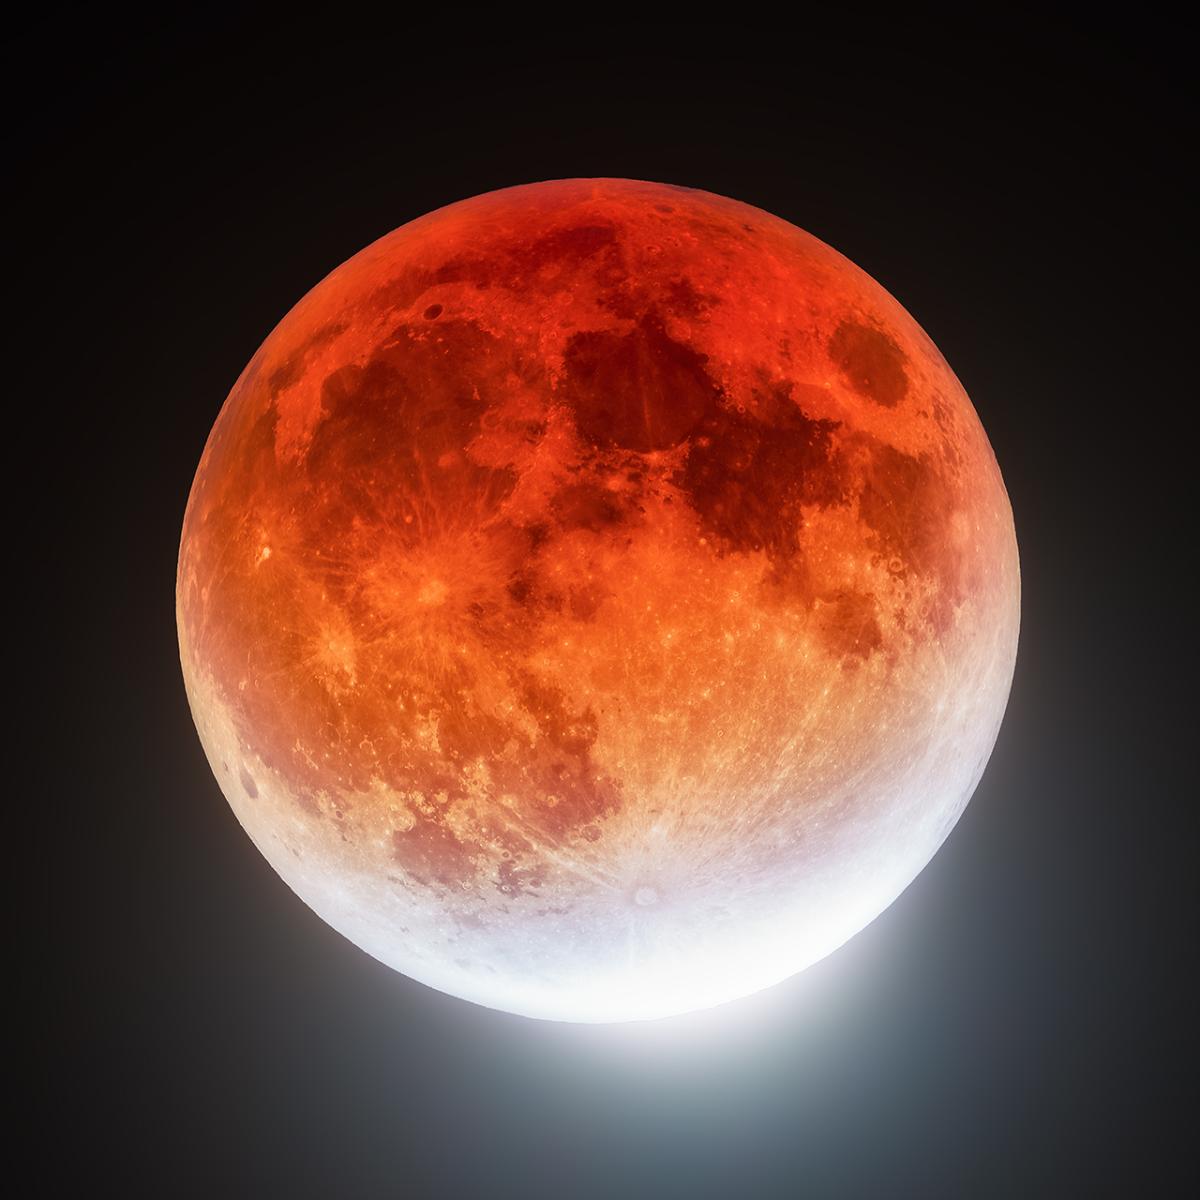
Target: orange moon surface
x,y
598,599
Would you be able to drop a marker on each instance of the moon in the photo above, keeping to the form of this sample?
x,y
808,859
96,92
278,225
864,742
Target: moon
x,y
598,599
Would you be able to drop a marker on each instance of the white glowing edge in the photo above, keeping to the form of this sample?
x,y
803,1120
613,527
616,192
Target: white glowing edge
x,y
757,955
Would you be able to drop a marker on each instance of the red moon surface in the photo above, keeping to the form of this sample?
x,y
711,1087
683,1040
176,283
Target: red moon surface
x,y
598,599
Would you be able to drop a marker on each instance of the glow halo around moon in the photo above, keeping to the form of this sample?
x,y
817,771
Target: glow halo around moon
x,y
598,599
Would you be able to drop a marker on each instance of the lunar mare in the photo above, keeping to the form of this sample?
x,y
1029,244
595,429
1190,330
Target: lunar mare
x,y
598,599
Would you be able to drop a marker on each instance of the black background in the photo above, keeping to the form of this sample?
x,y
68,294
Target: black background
x,y
1020,1022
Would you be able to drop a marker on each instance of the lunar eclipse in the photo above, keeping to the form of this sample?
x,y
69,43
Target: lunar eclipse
x,y
598,599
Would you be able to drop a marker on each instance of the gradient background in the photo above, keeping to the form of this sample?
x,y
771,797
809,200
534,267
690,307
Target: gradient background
x,y
1020,1023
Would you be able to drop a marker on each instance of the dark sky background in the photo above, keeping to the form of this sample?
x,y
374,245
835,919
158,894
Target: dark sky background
x,y
1021,1021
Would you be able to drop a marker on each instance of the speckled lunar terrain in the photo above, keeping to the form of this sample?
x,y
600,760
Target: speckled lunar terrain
x,y
598,599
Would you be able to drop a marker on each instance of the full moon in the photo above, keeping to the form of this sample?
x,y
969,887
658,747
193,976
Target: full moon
x,y
598,599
